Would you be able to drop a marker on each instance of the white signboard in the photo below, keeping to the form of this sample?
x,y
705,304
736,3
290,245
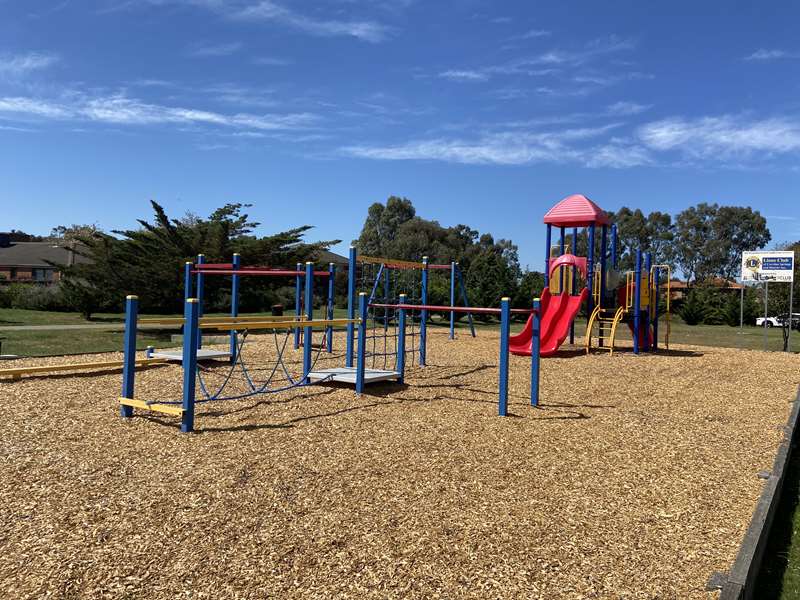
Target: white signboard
x,y
777,265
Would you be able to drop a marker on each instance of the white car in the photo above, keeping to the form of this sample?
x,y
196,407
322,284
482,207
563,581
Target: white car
x,y
779,321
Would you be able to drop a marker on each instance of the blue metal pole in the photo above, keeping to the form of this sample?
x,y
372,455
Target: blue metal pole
x,y
191,333
648,263
401,340
298,302
129,348
654,317
187,280
590,272
505,330
386,298
603,256
452,299
329,329
309,314
361,358
535,358
574,280
237,262
351,305
464,298
547,243
423,323
637,291
201,284
614,245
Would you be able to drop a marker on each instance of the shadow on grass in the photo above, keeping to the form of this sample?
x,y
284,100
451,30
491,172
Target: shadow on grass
x,y
780,571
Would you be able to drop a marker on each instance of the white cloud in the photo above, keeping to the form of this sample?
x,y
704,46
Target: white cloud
x,y
206,51
121,110
622,108
20,64
464,75
271,61
724,137
763,54
266,10
533,34
500,148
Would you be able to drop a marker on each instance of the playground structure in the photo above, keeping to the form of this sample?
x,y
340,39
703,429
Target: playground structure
x,y
571,281
388,322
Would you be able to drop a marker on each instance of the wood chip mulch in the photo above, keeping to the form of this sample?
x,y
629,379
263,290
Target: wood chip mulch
x,y
636,478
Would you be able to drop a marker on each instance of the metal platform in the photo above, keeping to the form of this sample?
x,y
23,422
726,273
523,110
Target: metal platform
x,y
202,354
348,375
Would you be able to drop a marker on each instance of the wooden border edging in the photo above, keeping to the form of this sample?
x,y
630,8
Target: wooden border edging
x,y
741,579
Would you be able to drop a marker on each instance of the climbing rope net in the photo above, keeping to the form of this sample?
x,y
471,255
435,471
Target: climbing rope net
x,y
241,379
384,283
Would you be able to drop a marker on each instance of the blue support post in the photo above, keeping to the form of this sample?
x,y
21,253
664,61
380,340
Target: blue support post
x,y
298,302
654,317
590,272
614,245
423,323
329,329
547,243
574,280
361,357
351,306
465,300
309,314
648,263
401,340
188,286
191,333
603,256
637,304
452,299
237,262
536,326
505,330
387,282
201,284
129,348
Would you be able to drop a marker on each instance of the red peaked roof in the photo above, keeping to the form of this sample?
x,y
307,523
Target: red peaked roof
x,y
576,211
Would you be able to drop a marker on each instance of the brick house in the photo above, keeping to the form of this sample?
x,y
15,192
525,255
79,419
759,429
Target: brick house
x,y
27,262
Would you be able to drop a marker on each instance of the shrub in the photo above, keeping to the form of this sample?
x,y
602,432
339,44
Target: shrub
x,y
28,296
692,310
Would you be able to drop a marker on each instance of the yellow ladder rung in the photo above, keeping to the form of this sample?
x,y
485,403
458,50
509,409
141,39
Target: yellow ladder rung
x,y
170,409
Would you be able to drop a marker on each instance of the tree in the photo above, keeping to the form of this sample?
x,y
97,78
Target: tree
x,y
735,229
148,261
693,229
382,225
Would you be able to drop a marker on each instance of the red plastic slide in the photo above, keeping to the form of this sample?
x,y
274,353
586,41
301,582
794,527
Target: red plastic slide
x,y
558,313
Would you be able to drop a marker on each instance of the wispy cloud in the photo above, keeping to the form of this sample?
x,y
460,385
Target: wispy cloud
x,y
546,63
623,109
271,61
20,64
464,75
499,148
532,34
266,10
213,50
723,137
762,54
122,110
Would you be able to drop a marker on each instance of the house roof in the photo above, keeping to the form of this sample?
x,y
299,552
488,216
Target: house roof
x,y
326,256
37,254
576,211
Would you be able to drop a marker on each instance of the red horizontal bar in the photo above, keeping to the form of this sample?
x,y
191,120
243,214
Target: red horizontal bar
x,y
213,265
257,271
459,309
440,267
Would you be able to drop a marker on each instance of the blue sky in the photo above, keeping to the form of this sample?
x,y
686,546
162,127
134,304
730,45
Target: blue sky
x,y
484,113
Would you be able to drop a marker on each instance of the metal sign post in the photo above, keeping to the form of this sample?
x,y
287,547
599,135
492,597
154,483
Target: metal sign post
x,y
766,304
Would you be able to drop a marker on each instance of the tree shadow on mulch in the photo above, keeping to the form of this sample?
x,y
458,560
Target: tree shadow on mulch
x,y
82,375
